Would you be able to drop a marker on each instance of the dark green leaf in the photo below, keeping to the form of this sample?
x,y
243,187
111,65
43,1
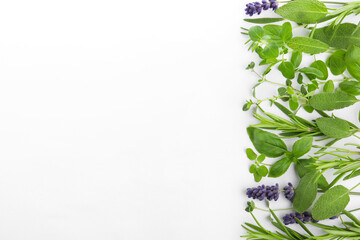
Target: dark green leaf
x,y
350,87
331,203
303,11
296,58
263,20
302,146
287,69
352,61
280,167
333,127
331,101
305,192
307,45
256,33
336,62
341,36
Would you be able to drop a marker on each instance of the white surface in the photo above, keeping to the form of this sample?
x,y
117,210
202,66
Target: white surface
x,y
122,120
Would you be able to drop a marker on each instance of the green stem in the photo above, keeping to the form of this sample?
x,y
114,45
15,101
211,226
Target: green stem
x,y
279,209
354,187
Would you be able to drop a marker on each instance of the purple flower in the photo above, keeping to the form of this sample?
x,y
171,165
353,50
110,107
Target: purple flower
x,y
289,191
257,7
262,192
303,217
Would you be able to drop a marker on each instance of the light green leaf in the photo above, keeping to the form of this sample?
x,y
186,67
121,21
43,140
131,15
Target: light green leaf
x,y
286,32
305,192
312,71
302,146
296,58
352,61
307,45
329,86
271,51
321,66
252,168
263,20
350,87
266,143
331,203
251,154
303,11
263,171
287,69
331,101
256,33
333,127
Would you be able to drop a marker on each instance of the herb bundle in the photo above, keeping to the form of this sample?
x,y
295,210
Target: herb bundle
x,y
304,109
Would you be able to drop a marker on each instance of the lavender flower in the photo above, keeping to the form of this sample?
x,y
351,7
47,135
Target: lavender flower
x,y
289,191
257,7
303,217
262,192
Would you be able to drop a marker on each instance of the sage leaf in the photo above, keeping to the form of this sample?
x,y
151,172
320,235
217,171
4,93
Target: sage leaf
x,y
331,101
350,87
280,167
340,37
296,58
263,20
287,69
333,127
307,45
329,86
305,192
331,203
256,33
352,61
303,11
302,146
266,143
336,62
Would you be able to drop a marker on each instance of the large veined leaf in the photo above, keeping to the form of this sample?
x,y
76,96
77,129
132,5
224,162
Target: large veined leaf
x,y
307,45
305,192
303,11
352,61
331,203
266,143
333,127
329,101
341,37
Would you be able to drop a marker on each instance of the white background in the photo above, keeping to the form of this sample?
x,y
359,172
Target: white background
x,y
122,120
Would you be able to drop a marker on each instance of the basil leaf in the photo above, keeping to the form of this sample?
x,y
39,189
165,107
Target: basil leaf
x,y
352,61
266,143
333,127
341,36
296,58
307,45
287,69
331,101
280,167
336,62
263,20
331,203
256,33
305,192
329,86
303,11
312,71
302,146
350,87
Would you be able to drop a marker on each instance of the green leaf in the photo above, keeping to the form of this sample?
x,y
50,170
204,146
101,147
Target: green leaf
x,y
320,65
352,61
287,69
307,45
286,32
352,174
331,203
336,62
296,58
272,34
331,101
261,158
341,36
350,87
329,86
256,33
333,127
303,166
305,192
293,103
302,146
303,11
257,177
312,71
251,154
280,167
252,168
271,51
263,171
263,20
266,143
